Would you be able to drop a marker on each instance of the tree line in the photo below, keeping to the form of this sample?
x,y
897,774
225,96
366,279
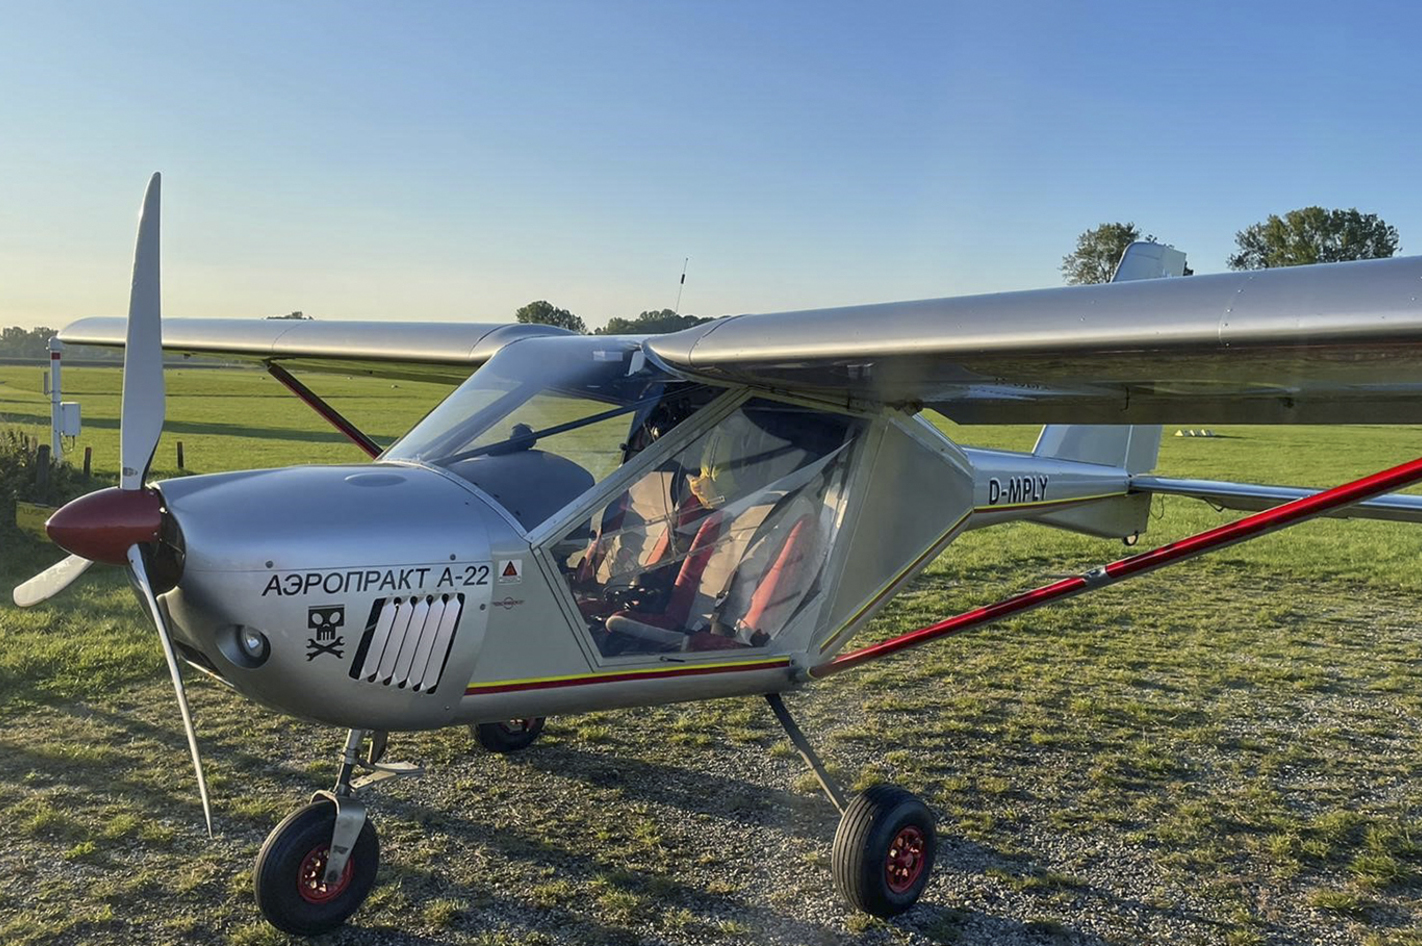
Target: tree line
x,y
33,344
16,342
1298,238
650,322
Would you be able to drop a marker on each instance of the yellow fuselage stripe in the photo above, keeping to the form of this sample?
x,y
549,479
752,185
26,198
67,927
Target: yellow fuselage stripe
x,y
1049,502
627,671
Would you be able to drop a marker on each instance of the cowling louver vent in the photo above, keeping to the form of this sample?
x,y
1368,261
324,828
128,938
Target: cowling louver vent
x,y
407,641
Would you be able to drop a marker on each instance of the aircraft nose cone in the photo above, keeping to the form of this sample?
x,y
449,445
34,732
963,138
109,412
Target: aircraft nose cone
x,y
102,525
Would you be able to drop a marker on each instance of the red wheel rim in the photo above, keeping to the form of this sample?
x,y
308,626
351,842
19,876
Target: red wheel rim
x,y
903,865
310,877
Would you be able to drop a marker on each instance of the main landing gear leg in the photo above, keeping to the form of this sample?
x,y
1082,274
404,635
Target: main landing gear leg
x,y
317,867
883,849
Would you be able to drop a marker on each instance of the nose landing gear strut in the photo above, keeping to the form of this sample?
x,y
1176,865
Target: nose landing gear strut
x,y
318,865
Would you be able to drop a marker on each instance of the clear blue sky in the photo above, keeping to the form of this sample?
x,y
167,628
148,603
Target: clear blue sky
x,y
454,161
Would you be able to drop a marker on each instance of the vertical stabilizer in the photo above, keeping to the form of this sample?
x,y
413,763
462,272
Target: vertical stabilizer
x,y
1134,448
1149,261
1126,448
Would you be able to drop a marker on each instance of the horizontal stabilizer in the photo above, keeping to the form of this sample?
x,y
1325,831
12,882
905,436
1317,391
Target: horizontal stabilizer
x,y
1252,497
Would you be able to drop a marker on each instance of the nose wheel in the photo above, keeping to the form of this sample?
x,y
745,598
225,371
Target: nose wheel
x,y
509,735
290,881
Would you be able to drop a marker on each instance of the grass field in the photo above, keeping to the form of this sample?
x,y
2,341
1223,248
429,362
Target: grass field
x,y
1222,753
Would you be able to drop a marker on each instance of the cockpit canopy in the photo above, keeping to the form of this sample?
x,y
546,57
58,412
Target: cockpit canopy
x,y
547,418
720,543
717,540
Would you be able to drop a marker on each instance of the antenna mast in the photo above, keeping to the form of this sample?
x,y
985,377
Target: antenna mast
x,y
681,286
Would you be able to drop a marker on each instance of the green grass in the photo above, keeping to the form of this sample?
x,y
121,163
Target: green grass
x,y
1244,725
224,416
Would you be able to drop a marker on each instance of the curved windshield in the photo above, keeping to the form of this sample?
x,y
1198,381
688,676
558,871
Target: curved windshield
x,y
546,418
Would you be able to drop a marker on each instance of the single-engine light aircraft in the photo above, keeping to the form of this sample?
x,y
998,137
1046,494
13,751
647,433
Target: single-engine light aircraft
x,y
617,521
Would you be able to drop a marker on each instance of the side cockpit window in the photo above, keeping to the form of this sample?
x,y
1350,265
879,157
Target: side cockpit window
x,y
718,547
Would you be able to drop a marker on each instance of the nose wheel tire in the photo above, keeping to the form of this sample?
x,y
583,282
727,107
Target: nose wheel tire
x,y
883,851
288,879
508,735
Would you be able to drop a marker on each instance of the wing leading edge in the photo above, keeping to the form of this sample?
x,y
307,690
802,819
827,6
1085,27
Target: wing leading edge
x,y
1338,343
418,351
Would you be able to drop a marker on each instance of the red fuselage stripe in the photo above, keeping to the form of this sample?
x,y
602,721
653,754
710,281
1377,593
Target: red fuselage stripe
x,y
620,677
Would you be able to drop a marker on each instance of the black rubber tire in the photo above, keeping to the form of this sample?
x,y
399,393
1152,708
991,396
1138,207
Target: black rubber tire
x,y
276,879
511,736
862,845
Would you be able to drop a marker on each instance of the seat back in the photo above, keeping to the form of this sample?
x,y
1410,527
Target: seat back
x,y
710,565
635,532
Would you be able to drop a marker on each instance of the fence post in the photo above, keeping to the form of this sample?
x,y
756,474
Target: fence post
x,y
56,354
42,468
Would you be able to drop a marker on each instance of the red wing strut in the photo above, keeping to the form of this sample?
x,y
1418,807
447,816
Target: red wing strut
x,y
1242,530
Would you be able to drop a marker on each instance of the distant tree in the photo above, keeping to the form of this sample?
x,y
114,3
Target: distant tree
x,y
1313,235
1098,251
13,339
292,315
16,342
651,322
543,312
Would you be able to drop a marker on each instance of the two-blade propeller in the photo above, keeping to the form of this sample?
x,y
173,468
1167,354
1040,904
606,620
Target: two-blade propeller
x,y
115,525
51,581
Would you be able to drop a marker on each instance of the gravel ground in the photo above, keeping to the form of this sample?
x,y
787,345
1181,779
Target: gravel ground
x,y
677,825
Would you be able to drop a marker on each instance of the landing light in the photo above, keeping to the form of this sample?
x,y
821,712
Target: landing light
x,y
253,644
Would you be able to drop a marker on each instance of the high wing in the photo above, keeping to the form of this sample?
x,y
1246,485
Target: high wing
x,y
417,351
1329,344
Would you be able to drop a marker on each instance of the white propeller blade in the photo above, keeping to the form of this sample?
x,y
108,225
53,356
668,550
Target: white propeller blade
x,y
139,572
140,426
141,416
51,581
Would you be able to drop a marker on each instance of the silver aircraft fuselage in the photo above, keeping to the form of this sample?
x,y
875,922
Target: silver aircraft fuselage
x,y
400,596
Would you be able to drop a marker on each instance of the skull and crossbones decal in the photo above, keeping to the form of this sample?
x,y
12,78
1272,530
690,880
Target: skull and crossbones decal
x,y
325,619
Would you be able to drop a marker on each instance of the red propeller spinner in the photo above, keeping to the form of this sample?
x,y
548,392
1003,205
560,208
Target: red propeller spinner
x,y
103,525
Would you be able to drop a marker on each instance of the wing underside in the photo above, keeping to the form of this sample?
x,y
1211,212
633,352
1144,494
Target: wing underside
x,y
1340,343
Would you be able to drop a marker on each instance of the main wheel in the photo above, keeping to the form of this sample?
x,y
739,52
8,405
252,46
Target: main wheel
x,y
883,851
508,735
288,877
